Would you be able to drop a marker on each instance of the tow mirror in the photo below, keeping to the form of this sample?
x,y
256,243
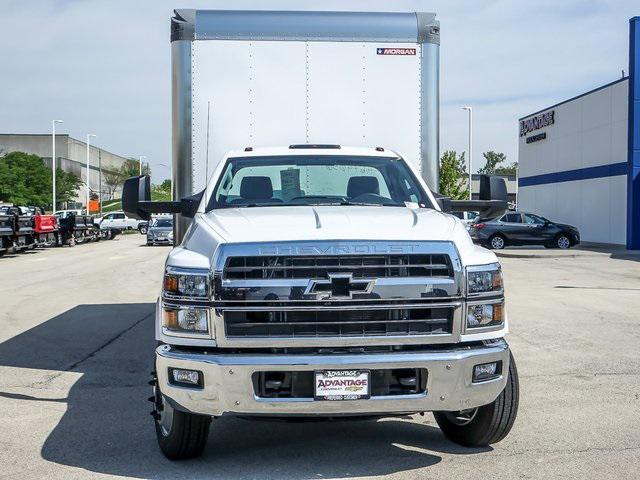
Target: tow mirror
x,y
492,202
136,200
135,191
493,188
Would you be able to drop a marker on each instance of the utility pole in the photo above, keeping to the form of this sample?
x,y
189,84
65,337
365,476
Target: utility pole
x,y
470,111
100,180
140,163
53,161
89,135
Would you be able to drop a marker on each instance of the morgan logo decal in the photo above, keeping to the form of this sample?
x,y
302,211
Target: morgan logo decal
x,y
396,51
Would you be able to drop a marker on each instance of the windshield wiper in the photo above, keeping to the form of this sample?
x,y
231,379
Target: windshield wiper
x,y
368,204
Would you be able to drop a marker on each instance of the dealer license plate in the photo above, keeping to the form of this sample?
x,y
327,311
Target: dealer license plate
x,y
342,385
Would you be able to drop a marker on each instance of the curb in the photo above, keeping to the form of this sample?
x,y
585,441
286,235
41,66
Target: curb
x,y
502,254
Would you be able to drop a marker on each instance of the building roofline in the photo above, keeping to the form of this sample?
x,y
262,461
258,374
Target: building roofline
x,y
575,98
62,135
35,134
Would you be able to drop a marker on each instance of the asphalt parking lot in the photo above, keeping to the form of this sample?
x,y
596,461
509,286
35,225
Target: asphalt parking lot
x,y
76,342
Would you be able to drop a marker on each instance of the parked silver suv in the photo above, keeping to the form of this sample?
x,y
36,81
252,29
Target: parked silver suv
x,y
160,231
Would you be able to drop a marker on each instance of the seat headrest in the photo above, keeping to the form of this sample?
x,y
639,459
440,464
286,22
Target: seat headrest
x,y
256,188
360,185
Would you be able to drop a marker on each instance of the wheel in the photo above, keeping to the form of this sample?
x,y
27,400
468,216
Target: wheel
x,y
180,435
143,230
496,242
484,425
562,241
149,244
72,241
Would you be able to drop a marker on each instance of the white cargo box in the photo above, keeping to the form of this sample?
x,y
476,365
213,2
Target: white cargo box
x,y
264,78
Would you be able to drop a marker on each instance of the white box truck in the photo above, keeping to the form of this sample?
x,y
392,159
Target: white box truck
x,y
316,273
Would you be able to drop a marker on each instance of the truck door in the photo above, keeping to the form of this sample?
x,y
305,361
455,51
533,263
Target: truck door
x,y
107,221
119,221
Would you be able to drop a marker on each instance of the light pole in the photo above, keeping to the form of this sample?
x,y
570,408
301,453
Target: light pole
x,y
89,135
53,161
470,110
140,163
170,177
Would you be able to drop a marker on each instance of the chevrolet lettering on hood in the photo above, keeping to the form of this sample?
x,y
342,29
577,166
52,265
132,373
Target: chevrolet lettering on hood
x,y
338,249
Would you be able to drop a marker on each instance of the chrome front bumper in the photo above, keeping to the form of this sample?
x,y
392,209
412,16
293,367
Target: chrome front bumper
x,y
228,386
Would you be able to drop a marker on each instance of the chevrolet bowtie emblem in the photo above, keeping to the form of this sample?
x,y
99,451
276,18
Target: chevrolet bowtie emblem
x,y
338,286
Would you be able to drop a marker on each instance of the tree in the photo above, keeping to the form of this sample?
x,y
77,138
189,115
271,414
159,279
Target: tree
x,y
162,191
492,159
112,181
452,176
509,170
131,168
166,185
26,180
67,185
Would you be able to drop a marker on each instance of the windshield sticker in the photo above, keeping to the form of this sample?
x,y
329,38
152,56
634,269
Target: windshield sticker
x,y
290,179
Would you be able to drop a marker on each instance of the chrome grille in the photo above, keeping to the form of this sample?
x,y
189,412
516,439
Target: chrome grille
x,y
366,321
294,294
318,267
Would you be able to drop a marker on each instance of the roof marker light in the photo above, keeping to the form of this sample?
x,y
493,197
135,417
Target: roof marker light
x,y
314,145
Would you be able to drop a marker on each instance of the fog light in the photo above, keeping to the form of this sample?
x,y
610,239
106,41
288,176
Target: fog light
x,y
186,378
486,371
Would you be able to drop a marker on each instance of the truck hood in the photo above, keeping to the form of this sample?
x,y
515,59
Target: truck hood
x,y
293,223
305,223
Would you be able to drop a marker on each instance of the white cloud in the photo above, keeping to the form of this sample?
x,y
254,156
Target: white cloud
x,y
103,66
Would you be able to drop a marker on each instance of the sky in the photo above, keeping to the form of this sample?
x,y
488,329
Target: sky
x,y
103,66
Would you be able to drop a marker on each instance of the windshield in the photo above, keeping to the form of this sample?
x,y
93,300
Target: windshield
x,y
162,223
316,180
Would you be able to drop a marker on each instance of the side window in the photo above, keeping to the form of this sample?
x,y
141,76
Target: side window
x,y
532,219
108,217
118,216
512,218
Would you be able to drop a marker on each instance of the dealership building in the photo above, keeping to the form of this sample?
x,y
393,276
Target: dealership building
x,y
579,160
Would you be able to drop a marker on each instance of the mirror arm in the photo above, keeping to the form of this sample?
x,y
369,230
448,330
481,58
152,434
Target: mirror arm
x,y
161,207
486,208
186,207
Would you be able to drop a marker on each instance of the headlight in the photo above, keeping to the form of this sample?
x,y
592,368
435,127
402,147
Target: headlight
x,y
185,320
483,280
186,283
485,315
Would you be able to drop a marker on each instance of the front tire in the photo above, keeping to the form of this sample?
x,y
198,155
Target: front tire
x,y
484,425
563,242
180,435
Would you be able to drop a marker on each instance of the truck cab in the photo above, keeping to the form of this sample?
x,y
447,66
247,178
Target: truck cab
x,y
326,281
